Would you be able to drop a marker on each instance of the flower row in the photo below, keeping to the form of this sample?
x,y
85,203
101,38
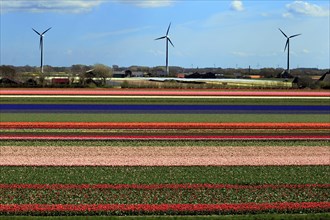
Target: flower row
x,y
158,125
153,92
161,186
167,208
163,137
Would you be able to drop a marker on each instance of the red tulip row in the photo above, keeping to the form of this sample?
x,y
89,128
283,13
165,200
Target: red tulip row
x,y
161,186
158,92
163,137
159,125
166,208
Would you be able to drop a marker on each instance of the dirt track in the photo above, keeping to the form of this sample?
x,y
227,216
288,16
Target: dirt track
x,y
163,156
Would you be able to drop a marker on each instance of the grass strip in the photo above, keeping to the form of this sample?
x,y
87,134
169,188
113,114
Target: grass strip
x,y
165,101
162,196
158,175
166,143
101,117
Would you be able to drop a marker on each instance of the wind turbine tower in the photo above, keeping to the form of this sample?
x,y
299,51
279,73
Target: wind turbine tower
x,y
167,38
41,47
287,45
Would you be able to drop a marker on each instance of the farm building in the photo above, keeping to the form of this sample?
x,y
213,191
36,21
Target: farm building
x,y
138,74
325,77
127,73
324,81
197,75
60,81
119,75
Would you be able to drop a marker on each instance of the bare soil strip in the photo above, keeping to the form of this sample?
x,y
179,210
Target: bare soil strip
x,y
163,156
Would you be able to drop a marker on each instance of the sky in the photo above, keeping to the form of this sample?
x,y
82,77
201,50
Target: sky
x,y
214,33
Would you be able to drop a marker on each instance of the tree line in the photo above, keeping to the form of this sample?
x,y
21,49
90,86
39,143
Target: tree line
x,y
22,73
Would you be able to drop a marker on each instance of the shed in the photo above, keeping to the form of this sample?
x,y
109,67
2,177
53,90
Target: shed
x,y
60,81
325,77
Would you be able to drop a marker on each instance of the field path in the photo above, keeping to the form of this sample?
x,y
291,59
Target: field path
x,y
163,156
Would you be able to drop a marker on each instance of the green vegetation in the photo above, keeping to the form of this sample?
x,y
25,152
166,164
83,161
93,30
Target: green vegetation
x,y
177,174
163,196
102,117
162,131
167,101
162,143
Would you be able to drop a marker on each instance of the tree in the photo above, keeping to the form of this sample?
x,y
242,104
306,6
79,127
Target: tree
x,y
102,71
79,69
7,72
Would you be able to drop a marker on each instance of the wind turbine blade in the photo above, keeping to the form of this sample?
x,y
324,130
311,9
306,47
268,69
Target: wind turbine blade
x,y
283,33
294,35
160,38
46,31
286,45
170,41
168,29
36,31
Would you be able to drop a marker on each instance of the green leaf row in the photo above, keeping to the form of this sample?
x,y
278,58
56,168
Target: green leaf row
x,y
162,196
166,143
103,117
150,175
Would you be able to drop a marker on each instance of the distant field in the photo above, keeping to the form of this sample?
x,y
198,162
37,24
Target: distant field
x,y
167,101
101,117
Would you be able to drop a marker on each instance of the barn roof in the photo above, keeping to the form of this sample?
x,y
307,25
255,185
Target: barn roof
x,y
325,77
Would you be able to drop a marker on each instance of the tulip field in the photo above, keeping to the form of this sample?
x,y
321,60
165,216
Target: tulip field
x,y
196,153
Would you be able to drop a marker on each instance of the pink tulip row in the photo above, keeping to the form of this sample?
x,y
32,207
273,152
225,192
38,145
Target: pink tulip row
x,y
153,92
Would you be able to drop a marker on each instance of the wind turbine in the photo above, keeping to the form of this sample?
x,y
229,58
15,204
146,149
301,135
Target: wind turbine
x,y
287,45
41,47
167,38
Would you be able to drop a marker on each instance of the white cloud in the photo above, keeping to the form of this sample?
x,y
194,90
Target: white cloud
x,y
306,51
64,6
305,8
237,5
69,52
148,3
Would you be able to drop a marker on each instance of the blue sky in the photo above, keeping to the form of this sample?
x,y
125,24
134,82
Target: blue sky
x,y
220,33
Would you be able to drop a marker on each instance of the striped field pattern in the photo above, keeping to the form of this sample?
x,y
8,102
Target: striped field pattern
x,y
199,157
